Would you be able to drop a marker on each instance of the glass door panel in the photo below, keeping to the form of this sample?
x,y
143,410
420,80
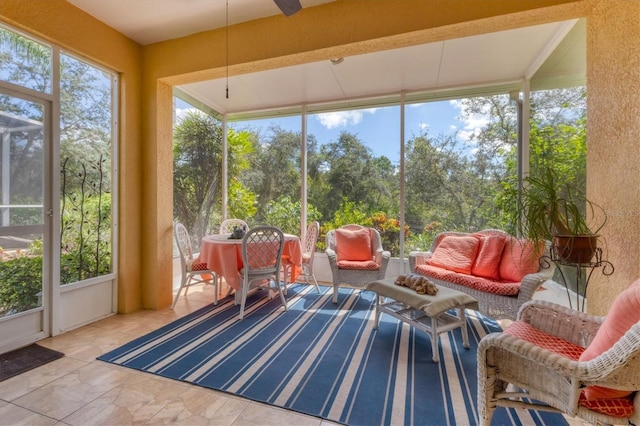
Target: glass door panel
x,y
22,223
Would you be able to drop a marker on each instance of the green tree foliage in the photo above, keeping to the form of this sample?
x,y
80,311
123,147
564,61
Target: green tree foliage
x,y
20,284
445,185
285,213
453,181
349,170
197,172
558,140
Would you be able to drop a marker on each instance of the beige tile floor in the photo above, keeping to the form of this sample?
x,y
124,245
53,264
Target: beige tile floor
x,y
78,390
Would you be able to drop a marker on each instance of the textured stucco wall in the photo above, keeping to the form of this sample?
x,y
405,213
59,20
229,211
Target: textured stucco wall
x,y
613,140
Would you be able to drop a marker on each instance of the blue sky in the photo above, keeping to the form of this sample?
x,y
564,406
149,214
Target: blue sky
x,y
378,128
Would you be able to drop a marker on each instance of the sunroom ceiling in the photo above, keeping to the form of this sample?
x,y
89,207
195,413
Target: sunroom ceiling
x,y
500,60
550,55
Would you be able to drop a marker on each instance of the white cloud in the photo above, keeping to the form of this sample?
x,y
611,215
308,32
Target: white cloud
x,y
182,112
472,124
424,126
342,118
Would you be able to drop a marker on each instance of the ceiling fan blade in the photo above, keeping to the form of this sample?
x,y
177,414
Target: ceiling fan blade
x,y
288,7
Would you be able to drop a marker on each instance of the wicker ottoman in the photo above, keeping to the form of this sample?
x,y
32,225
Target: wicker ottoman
x,y
428,313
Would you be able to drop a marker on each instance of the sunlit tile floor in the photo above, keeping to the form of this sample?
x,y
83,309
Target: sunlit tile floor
x,y
79,390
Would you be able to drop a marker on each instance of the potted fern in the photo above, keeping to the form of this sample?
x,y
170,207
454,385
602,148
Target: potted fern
x,y
549,210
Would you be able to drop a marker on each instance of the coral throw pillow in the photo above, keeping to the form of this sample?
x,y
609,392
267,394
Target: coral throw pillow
x,y
519,258
487,263
455,253
353,245
624,312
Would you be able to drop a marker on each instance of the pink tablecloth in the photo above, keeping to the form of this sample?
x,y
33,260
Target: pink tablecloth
x,y
224,256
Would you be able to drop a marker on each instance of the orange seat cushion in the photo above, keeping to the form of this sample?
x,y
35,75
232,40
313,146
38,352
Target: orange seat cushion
x,y
455,253
358,264
353,244
478,283
624,312
528,333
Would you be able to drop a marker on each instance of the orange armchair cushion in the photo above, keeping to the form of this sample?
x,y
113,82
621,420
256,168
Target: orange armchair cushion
x,y
353,244
455,253
624,312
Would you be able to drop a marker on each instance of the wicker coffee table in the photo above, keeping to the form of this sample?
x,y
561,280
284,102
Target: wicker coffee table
x,y
431,314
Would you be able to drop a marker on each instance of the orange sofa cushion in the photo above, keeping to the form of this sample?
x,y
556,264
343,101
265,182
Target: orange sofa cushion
x,y
455,253
624,312
353,245
478,283
519,258
487,263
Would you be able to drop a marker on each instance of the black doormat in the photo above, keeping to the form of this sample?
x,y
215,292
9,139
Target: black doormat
x,y
24,359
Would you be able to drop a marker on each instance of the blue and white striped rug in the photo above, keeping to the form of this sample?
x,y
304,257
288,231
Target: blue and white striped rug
x,y
324,360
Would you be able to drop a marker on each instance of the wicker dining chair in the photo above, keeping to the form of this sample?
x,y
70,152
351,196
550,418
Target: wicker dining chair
x,y
262,249
227,226
553,358
308,255
193,272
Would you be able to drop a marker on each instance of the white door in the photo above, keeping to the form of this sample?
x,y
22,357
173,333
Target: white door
x,y
25,218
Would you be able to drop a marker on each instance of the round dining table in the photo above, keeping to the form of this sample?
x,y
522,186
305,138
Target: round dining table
x,y
224,256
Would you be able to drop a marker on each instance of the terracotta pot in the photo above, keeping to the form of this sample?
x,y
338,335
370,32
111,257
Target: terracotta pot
x,y
575,248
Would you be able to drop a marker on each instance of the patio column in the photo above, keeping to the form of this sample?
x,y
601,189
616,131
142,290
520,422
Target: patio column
x,y
613,141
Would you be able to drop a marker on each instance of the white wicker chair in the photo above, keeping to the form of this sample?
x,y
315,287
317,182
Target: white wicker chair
x,y
308,254
227,225
262,249
510,368
356,277
193,272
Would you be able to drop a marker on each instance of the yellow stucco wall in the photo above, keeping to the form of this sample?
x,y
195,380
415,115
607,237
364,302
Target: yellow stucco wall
x,y
613,138
341,28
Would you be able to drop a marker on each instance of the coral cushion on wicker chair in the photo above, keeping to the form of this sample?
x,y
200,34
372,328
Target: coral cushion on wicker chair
x,y
487,263
196,265
611,406
358,264
614,407
519,258
528,333
455,253
624,312
353,244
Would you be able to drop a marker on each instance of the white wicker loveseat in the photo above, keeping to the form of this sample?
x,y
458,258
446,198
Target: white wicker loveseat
x,y
477,273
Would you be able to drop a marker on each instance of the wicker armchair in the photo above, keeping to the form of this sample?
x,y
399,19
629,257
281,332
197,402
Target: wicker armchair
x,y
355,272
542,374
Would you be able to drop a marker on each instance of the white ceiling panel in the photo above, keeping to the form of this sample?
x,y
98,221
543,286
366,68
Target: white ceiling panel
x,y
495,56
471,61
151,21
483,60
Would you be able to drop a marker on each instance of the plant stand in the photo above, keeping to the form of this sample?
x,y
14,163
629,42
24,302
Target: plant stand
x,y
584,271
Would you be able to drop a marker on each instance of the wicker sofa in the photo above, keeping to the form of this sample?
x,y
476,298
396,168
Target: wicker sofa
x,y
501,272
